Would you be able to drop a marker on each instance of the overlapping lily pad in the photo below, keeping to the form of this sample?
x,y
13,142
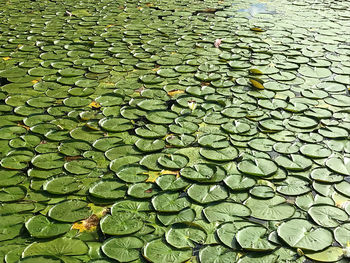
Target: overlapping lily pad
x,y
174,131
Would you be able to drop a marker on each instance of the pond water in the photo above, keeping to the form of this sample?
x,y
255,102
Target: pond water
x,y
256,9
174,131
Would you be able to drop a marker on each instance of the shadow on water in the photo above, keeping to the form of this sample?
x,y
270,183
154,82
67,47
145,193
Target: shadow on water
x,y
257,8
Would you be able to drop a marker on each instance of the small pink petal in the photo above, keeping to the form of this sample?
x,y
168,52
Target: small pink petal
x,y
68,13
217,42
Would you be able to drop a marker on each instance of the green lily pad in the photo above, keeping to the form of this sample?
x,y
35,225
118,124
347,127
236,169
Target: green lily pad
x,y
115,124
184,216
205,194
41,227
73,148
331,254
122,223
327,215
70,211
239,182
152,104
120,163
294,162
338,165
184,236
275,208
199,172
257,167
171,182
11,226
217,254
10,178
183,127
174,161
315,151
132,173
58,247
151,131
146,145
107,189
159,251
123,249
325,176
300,233
225,154
61,185
11,132
262,191
293,185
48,161
142,190
105,144
226,232
254,238
215,141
12,193
15,162
80,166
161,117
341,234
225,211
169,202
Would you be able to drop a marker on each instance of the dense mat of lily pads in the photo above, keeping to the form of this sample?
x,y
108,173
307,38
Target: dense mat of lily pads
x,y
174,131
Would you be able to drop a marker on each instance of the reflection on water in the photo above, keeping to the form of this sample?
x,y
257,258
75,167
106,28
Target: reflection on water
x,y
257,8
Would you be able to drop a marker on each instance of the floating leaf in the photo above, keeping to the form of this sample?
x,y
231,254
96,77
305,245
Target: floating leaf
x,y
69,211
167,202
299,233
41,227
327,215
123,249
58,247
184,236
331,254
121,223
254,238
225,211
274,208
218,254
158,251
256,84
257,167
206,193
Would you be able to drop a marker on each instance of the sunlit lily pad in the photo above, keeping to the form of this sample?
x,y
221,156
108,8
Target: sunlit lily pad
x,y
123,249
254,238
299,233
158,251
257,167
275,208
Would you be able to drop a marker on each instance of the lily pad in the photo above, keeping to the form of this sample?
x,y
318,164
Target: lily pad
x,y
217,254
58,247
275,208
41,227
327,215
169,202
225,211
300,233
257,167
159,251
204,194
254,238
123,249
184,236
70,211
